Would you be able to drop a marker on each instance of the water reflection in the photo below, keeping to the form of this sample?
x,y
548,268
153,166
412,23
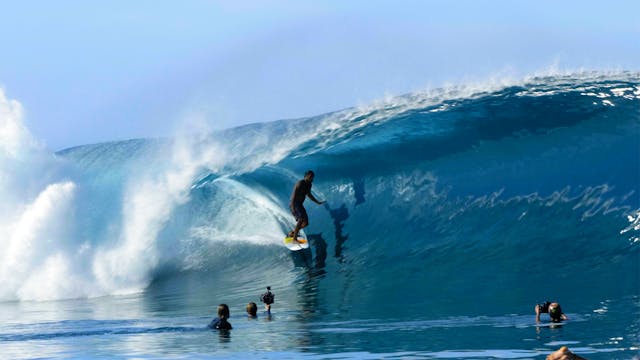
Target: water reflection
x,y
320,246
309,323
358,190
224,336
339,216
308,309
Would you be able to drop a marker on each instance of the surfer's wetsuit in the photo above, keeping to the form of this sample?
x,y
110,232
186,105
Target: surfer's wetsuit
x,y
220,324
300,192
544,307
267,298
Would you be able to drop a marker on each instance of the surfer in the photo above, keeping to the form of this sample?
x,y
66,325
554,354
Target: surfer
x,y
221,323
252,310
554,310
268,298
301,191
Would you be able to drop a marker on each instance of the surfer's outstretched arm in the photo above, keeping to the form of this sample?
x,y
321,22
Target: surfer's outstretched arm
x,y
310,195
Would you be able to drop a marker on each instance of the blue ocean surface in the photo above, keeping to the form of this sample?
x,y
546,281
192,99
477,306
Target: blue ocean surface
x,y
450,214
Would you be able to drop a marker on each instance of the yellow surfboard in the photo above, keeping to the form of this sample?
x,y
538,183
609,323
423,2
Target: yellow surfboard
x,y
302,243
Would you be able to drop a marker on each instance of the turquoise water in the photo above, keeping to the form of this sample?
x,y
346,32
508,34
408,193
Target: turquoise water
x,y
165,323
449,215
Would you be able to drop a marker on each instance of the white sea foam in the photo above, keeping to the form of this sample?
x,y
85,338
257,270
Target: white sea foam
x,y
149,201
46,254
247,203
36,215
41,229
14,137
550,81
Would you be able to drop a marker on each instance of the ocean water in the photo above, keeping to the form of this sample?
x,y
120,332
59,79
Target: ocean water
x,y
450,213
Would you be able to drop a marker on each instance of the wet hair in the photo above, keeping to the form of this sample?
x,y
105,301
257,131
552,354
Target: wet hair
x,y
555,313
309,172
223,311
252,308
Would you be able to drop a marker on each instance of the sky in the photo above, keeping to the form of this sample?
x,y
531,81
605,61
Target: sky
x,y
95,71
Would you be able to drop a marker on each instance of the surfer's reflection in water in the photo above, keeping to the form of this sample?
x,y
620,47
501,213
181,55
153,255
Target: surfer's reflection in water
x,y
224,336
309,309
339,216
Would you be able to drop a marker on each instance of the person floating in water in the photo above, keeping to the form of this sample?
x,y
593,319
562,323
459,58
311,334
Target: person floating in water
x,y
221,323
268,298
252,310
301,191
554,310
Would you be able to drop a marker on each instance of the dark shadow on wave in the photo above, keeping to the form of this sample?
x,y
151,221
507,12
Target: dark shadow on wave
x,y
320,245
339,216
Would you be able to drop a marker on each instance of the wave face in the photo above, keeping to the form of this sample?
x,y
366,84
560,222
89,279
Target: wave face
x,y
461,197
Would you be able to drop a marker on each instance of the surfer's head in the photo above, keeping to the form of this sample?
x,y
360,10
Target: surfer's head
x,y
223,311
252,309
555,312
268,287
309,175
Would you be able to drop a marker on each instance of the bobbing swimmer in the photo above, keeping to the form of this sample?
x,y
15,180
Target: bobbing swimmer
x,y
553,309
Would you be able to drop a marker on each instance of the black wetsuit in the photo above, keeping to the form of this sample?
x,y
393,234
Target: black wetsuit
x,y
220,324
267,298
544,307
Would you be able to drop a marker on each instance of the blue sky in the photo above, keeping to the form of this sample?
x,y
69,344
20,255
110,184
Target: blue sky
x,y
92,71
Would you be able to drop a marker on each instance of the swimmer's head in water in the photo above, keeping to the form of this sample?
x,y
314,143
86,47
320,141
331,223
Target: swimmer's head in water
x,y
252,308
554,311
223,311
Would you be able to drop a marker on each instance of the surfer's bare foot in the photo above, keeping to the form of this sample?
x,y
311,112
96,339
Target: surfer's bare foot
x,y
290,234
